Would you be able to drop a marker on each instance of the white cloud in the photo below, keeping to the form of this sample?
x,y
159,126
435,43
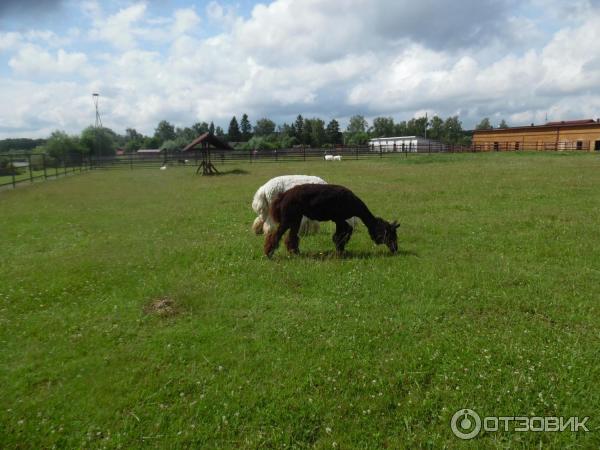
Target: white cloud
x,y
35,110
33,60
312,57
120,29
185,20
10,41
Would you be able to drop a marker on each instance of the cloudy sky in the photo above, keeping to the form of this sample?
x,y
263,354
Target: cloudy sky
x,y
187,61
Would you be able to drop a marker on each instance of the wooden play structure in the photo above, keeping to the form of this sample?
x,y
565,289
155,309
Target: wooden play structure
x,y
204,143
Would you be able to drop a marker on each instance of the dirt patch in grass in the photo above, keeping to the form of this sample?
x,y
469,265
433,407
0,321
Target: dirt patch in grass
x,y
162,307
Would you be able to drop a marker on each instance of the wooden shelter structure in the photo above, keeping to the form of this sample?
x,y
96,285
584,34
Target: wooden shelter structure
x,y
205,142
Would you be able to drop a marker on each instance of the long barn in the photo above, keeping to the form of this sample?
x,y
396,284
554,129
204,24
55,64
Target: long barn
x,y
564,135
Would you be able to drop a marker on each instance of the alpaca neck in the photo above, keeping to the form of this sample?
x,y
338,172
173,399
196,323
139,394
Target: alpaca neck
x,y
370,221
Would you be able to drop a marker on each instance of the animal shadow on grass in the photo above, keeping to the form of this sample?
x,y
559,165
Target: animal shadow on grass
x,y
234,172
349,254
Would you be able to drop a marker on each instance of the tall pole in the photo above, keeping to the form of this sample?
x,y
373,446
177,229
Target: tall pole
x,y
98,123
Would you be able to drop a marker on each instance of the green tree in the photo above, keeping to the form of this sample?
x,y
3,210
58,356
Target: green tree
x,y
133,146
421,125
98,141
383,127
20,144
360,138
436,128
200,128
233,132
174,145
317,136
401,129
453,132
306,132
299,128
334,136
245,128
133,140
264,127
211,128
416,126
150,142
503,124
63,147
164,131
261,143
219,132
357,124
186,134
484,124
287,135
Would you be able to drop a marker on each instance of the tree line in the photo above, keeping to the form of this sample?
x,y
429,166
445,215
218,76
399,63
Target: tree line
x,y
264,134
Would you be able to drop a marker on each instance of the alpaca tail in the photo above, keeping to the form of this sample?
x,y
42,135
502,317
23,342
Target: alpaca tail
x,y
275,210
260,203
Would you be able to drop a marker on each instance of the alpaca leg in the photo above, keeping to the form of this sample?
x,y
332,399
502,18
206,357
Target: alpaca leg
x,y
257,226
292,241
268,225
342,235
308,226
304,227
272,240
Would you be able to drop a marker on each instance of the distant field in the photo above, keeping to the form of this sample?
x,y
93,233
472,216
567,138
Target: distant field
x,y
137,309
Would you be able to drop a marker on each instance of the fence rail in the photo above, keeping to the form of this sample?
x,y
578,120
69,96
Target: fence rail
x,y
27,168
275,155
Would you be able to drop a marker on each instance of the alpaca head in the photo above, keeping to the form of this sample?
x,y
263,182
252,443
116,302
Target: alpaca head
x,y
385,233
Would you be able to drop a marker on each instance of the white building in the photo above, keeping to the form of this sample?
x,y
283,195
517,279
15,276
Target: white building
x,y
405,144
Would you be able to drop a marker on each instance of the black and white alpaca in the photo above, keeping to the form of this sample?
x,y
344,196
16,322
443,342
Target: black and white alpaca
x,y
325,202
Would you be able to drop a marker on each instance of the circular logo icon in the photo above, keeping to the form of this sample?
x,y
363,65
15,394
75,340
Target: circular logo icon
x,y
465,424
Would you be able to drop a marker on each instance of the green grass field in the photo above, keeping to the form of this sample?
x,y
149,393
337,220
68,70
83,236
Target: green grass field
x,y
492,304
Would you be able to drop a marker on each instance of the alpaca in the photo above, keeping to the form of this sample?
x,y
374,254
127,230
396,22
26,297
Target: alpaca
x,y
269,191
337,158
328,157
325,202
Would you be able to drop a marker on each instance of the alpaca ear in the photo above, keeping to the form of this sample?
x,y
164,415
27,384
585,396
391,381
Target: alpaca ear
x,y
395,224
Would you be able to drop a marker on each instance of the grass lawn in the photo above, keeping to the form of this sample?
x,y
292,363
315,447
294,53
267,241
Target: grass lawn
x,y
492,304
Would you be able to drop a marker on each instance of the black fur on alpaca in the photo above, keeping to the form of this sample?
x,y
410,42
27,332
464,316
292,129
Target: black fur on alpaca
x,y
324,202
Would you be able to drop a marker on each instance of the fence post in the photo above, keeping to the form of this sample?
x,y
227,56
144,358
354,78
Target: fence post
x,y
30,170
44,165
304,152
380,151
130,161
12,170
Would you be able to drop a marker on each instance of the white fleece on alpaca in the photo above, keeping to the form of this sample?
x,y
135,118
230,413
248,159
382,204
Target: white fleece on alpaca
x,y
269,191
